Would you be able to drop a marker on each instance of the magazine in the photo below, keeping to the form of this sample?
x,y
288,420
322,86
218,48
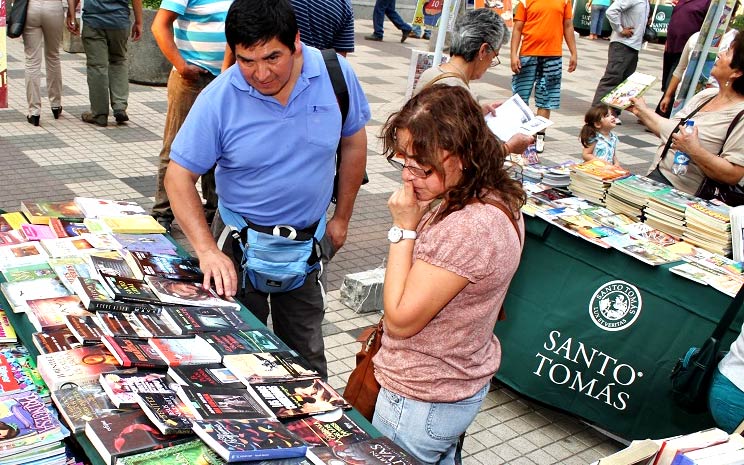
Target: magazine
x,y
514,117
633,87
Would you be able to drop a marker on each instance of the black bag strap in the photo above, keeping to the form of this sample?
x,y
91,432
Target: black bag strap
x,y
337,81
676,128
729,316
730,130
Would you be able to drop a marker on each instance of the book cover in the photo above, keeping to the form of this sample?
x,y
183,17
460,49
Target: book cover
x,y
68,269
334,428
57,228
23,368
157,244
600,169
79,405
289,399
222,403
91,292
134,352
7,332
73,228
166,411
185,351
55,340
75,366
4,225
633,87
122,388
186,293
50,313
269,366
194,320
84,329
242,440
25,253
67,247
252,340
26,420
28,272
102,241
207,375
12,237
129,433
157,326
19,292
37,232
133,224
167,266
129,289
97,208
40,212
377,451
124,325
8,381
192,452
113,263
14,219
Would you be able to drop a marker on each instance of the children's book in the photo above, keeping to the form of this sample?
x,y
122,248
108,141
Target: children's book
x,y
192,452
269,366
19,292
76,366
50,313
242,440
633,87
133,224
40,212
222,403
122,388
8,380
334,428
7,332
151,243
186,293
207,375
79,405
185,351
134,352
23,367
377,451
97,208
297,398
28,420
166,266
119,435
195,320
166,411
55,340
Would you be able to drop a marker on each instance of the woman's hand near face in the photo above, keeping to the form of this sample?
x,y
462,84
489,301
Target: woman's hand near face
x,y
405,209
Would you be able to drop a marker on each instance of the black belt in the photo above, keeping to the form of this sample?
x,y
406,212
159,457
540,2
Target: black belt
x,y
283,230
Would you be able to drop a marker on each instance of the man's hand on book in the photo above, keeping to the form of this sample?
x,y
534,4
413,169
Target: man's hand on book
x,y
219,269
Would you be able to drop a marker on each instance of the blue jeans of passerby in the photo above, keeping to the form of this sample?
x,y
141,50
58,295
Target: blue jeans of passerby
x,y
387,8
597,19
428,431
726,402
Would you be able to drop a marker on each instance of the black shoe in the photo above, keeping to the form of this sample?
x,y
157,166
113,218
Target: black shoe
x,y
373,37
98,120
404,35
121,116
56,111
167,223
33,119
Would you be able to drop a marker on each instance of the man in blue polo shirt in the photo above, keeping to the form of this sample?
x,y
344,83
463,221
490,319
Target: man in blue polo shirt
x,y
271,123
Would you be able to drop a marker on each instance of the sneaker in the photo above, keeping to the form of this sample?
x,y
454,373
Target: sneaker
x,y
404,35
121,116
539,143
98,120
373,37
167,223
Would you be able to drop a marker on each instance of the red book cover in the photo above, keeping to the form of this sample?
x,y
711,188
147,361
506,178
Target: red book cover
x,y
134,352
331,429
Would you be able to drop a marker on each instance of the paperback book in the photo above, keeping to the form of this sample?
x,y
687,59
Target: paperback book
x,y
50,313
23,368
14,219
28,272
25,253
377,451
97,208
129,289
133,224
256,439
186,293
297,398
55,340
79,405
249,341
222,403
195,320
18,293
40,212
37,232
208,375
185,351
122,388
11,237
633,87
334,428
33,424
166,411
151,243
85,329
116,436
113,263
269,366
7,332
76,366
167,266
124,325
67,247
192,452
134,352
157,326
69,269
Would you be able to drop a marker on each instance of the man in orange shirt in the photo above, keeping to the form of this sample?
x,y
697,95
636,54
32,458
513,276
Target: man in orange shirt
x,y
540,26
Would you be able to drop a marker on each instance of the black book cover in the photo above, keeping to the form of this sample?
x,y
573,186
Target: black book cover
x,y
290,399
168,266
166,411
210,375
222,403
195,320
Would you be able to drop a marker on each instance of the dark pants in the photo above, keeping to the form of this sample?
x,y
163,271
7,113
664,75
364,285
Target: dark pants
x,y
621,63
387,8
670,62
107,69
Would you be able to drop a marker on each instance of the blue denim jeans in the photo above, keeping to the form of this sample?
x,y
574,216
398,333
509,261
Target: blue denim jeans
x,y
428,431
597,19
726,402
387,8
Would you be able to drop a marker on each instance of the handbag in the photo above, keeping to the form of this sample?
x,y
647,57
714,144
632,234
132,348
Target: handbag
x,y
732,195
649,35
362,387
693,373
17,19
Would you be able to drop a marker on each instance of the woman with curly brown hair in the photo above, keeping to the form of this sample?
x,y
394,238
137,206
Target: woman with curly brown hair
x,y
455,245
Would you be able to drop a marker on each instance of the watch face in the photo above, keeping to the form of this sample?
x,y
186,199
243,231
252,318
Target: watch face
x,y
395,234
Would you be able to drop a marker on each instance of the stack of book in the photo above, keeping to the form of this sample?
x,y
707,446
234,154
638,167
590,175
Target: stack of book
x,y
708,226
592,178
631,195
666,210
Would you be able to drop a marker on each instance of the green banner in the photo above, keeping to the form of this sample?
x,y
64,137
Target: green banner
x,y
596,333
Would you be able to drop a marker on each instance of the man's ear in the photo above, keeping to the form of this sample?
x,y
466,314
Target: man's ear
x,y
297,42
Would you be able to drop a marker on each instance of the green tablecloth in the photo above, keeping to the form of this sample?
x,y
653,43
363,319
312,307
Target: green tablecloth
x,y
612,369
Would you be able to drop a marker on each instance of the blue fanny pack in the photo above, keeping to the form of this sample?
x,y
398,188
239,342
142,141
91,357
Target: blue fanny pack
x,y
275,258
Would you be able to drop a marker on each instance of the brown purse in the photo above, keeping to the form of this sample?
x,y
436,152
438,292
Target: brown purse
x,y
362,388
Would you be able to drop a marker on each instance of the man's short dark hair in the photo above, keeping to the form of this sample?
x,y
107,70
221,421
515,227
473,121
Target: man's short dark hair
x,y
254,22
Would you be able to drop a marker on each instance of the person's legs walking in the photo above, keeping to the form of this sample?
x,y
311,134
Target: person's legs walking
x,y
619,58
118,71
96,55
52,28
32,42
378,18
396,19
523,82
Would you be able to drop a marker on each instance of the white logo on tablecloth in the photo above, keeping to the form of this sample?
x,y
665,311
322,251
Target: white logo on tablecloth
x,y
615,305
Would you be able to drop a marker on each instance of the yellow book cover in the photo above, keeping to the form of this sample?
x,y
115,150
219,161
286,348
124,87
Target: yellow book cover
x,y
134,224
15,219
601,170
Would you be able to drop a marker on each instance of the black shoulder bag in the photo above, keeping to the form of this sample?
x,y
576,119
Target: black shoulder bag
x,y
730,194
17,19
692,375
342,96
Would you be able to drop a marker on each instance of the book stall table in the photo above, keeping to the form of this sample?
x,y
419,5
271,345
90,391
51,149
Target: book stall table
x,y
596,333
24,329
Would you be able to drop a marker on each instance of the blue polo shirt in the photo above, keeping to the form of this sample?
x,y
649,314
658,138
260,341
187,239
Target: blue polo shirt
x,y
275,164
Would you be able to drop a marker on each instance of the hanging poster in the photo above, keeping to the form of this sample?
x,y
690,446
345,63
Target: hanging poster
x,y
3,59
428,13
503,7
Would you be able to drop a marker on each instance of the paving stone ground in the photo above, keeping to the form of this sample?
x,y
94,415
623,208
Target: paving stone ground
x,y
66,158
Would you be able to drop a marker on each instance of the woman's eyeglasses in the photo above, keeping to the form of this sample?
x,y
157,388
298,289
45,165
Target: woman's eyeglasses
x,y
415,170
495,61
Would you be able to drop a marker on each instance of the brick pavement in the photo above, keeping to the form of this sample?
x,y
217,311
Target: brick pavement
x,y
64,158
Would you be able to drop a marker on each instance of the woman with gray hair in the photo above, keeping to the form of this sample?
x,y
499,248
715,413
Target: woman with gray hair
x,y
476,41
